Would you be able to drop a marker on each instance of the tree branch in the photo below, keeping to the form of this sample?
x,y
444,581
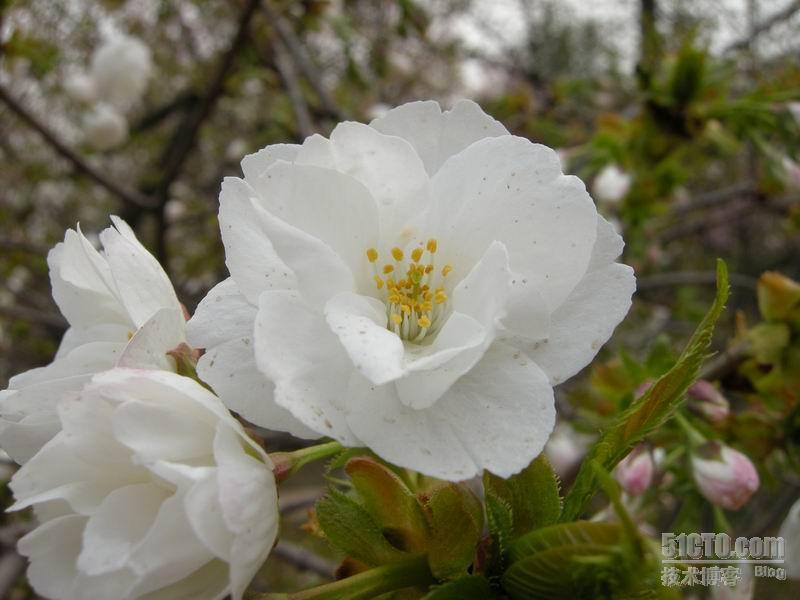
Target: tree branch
x,y
285,67
130,197
303,559
303,61
765,25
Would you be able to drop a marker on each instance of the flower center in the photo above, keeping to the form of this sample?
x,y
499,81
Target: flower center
x,y
415,299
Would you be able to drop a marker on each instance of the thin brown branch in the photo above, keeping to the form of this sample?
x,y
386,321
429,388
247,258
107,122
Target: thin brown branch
x,y
80,164
661,280
303,61
285,67
765,26
33,315
304,560
715,198
11,567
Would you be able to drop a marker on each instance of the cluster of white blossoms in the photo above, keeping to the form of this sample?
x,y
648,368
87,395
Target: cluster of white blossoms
x,y
416,286
115,82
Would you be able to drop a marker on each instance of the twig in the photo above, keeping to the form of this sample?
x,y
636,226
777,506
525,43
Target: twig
x,y
304,559
81,165
285,68
687,228
303,62
714,198
765,25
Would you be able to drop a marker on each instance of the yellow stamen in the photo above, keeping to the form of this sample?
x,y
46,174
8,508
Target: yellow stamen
x,y
397,254
428,269
424,322
432,245
406,309
440,297
388,269
446,269
378,282
372,255
416,254
397,319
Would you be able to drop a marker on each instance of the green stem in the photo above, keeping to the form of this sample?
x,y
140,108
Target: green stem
x,y
369,584
288,463
695,437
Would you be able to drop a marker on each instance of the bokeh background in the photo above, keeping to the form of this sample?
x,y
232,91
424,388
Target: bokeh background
x,y
680,115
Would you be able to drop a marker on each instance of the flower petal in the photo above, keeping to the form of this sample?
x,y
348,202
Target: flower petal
x,y
496,417
582,324
144,287
512,190
437,135
148,348
224,314
252,261
360,324
118,525
296,349
254,165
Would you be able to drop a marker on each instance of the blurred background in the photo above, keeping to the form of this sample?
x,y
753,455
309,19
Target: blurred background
x,y
683,117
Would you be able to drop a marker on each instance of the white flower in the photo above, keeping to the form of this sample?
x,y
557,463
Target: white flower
x,y
121,309
510,287
161,495
80,87
120,69
104,128
611,184
566,447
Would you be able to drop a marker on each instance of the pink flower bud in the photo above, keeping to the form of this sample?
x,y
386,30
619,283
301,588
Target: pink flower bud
x,y
635,471
725,476
708,401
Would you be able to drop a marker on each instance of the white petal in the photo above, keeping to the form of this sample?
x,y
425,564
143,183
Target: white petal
x,y
205,514
249,255
360,324
148,348
102,332
163,432
143,286
53,549
325,205
230,369
296,349
170,551
496,417
316,150
511,190
117,526
209,582
82,284
389,168
437,135
254,165
582,324
608,245
249,500
224,314
22,439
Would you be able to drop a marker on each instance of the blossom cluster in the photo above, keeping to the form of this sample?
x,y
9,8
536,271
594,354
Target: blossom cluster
x,y
416,286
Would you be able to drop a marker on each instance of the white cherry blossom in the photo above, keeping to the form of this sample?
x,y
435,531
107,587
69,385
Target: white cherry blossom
x,y
121,309
120,69
104,128
416,285
612,184
160,495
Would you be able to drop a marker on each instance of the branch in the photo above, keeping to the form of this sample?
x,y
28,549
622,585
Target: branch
x,y
303,62
659,280
285,67
32,315
11,567
765,26
715,197
78,162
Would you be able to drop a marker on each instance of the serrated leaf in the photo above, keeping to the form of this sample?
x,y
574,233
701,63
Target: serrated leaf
x,y
455,517
472,587
532,495
387,498
351,529
561,534
501,523
651,411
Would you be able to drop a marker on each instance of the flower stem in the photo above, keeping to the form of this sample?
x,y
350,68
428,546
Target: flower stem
x,y
369,584
695,437
288,463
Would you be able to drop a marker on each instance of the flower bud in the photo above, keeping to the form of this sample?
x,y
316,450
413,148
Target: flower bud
x,y
565,448
635,471
708,401
778,297
724,476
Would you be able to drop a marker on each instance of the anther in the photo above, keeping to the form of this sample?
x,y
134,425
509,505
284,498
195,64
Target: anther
x,y
397,254
446,269
424,322
388,269
372,255
431,246
416,254
378,282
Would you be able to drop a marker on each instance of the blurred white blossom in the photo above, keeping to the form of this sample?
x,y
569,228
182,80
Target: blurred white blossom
x,y
121,68
611,184
104,128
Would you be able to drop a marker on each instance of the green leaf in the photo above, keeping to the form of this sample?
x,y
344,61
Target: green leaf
x,y
531,494
387,498
351,529
651,411
501,523
576,532
472,587
456,521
